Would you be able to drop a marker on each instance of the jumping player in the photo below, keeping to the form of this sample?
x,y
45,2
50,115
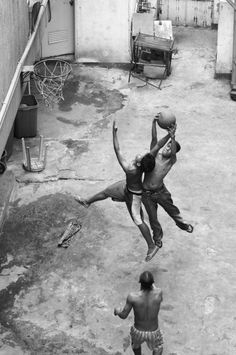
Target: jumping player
x,y
154,190
130,191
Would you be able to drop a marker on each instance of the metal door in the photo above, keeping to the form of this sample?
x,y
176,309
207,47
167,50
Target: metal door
x,y
58,38
200,13
188,12
177,11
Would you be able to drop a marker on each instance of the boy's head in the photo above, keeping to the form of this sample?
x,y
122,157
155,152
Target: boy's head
x,y
166,152
146,280
147,163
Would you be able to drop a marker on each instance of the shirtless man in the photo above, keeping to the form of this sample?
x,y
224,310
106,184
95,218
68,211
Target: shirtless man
x,y
134,171
146,305
130,191
154,191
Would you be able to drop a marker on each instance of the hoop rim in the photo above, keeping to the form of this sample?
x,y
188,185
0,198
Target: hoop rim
x,y
68,65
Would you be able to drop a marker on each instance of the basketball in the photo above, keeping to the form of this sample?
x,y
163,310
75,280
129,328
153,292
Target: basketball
x,y
166,119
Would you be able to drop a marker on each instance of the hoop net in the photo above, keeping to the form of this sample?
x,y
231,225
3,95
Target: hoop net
x,y
49,77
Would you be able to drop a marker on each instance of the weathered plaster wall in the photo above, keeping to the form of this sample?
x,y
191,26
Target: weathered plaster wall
x,y
15,31
225,39
132,7
215,14
102,30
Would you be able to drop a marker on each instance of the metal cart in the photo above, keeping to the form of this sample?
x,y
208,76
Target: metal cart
x,y
150,52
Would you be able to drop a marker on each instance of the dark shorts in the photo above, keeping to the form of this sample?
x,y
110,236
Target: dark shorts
x,y
117,191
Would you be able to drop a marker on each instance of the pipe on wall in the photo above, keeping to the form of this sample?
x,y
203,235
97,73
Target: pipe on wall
x,y
19,67
233,76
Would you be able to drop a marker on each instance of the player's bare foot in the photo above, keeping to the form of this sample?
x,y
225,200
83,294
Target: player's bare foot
x,y
189,228
151,252
82,201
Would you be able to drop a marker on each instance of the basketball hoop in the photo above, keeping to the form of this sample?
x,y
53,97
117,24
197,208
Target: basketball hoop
x,y
49,76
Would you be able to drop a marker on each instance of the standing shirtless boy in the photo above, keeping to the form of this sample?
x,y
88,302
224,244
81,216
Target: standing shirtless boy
x,y
146,305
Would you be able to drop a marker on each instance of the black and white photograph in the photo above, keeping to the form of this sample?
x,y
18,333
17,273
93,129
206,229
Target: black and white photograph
x,y
117,169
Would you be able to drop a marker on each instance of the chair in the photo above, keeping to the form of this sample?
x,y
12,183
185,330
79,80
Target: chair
x,y
35,164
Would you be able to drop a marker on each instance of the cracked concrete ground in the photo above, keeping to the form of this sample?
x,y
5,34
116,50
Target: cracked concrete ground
x,y
60,301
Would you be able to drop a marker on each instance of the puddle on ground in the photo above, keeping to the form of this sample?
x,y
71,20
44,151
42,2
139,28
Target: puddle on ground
x,y
83,90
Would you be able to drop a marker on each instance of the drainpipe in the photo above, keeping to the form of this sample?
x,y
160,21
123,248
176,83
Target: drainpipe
x,y
15,79
233,77
158,9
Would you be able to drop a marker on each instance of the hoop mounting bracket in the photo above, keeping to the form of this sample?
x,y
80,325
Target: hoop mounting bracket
x,y
28,69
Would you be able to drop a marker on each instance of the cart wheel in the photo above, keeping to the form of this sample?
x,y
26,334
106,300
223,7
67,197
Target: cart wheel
x,y
2,167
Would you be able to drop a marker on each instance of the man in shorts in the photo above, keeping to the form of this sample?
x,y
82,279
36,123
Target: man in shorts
x,y
130,191
154,190
146,305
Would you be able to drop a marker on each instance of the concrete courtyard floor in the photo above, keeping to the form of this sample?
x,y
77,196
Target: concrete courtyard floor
x,y
61,300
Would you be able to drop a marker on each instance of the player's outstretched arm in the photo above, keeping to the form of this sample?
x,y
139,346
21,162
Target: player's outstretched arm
x,y
172,131
159,145
154,140
122,161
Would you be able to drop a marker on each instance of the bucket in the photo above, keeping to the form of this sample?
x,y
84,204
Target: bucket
x,y
26,118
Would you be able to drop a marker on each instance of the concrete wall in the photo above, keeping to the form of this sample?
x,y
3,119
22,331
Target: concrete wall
x,y
15,31
225,39
102,30
132,7
215,14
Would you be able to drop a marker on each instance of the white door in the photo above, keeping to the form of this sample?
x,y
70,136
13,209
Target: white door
x,y
176,11
188,12
58,38
200,13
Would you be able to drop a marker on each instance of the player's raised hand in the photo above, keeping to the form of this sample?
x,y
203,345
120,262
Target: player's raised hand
x,y
156,118
115,128
172,129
